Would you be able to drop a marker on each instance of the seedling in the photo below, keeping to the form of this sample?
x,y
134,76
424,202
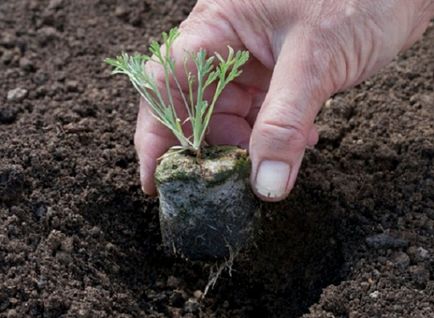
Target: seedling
x,y
208,70
207,209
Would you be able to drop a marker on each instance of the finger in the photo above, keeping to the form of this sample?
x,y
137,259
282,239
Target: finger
x,y
257,101
227,129
283,126
228,124
208,28
205,28
255,76
312,137
151,141
233,100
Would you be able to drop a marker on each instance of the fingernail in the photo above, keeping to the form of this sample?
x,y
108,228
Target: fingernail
x,y
272,178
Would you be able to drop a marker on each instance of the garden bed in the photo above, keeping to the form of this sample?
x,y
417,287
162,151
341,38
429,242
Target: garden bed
x,y
79,239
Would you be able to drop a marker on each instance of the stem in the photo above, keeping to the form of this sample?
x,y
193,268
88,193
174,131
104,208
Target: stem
x,y
207,73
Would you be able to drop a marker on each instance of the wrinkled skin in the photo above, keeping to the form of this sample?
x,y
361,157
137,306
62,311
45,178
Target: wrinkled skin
x,y
302,52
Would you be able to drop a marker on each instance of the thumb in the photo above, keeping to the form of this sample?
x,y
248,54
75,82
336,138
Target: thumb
x,y
284,125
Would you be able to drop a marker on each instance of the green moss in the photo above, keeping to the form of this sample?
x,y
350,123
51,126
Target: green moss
x,y
176,166
241,170
217,164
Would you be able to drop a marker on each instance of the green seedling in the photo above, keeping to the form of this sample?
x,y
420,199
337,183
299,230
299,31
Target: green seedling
x,y
207,71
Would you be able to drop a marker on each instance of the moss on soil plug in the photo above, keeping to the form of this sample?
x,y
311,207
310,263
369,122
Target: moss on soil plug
x,y
207,209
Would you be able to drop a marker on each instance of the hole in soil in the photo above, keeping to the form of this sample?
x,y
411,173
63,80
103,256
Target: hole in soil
x,y
297,255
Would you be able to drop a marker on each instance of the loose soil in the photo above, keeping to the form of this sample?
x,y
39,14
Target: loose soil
x,y
79,239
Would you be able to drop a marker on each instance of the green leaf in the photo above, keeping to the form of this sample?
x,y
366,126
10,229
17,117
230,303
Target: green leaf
x,y
208,71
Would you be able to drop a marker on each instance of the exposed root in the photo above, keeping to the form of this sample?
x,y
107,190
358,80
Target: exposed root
x,y
217,269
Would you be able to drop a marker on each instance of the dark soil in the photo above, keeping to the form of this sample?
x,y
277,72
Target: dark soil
x,y
78,238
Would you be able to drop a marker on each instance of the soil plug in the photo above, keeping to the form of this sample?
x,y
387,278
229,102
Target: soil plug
x,y
206,207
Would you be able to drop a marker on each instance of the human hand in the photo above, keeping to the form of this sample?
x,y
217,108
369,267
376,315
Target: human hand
x,y
302,52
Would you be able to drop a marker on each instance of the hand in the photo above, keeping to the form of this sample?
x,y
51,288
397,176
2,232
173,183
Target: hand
x,y
302,52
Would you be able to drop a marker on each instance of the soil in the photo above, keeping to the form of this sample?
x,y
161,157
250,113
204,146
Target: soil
x,y
79,239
